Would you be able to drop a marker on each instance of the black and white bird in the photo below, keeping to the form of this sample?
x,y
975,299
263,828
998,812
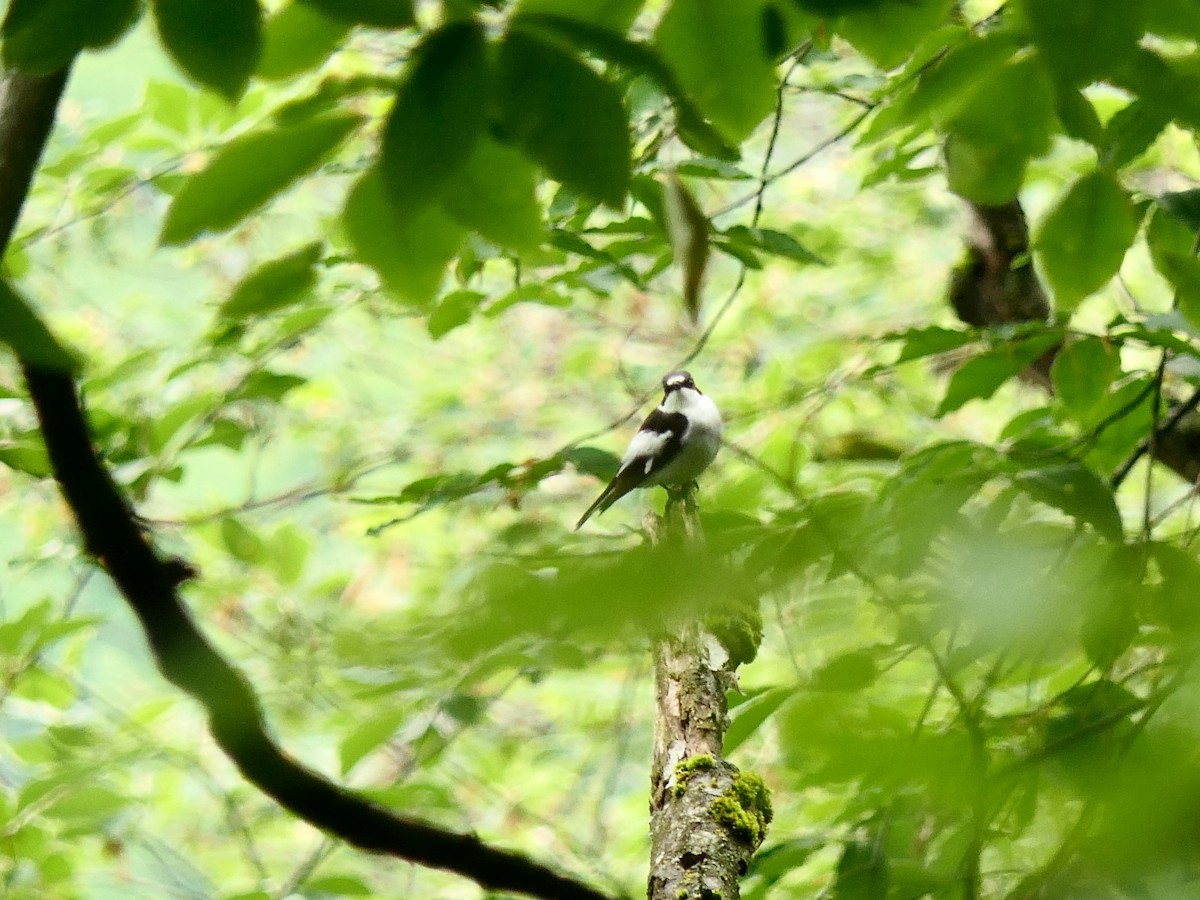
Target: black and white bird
x,y
674,445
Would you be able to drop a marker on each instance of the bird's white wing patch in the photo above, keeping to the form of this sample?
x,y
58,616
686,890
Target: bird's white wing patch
x,y
647,445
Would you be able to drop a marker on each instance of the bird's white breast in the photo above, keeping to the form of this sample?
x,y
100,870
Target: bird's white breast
x,y
701,440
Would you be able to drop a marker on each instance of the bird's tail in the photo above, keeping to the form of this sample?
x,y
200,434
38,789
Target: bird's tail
x,y
606,499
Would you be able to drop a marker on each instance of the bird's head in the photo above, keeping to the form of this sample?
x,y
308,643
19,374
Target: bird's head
x,y
673,381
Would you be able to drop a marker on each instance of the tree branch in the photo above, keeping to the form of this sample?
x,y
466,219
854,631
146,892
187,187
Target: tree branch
x,y
707,819
149,585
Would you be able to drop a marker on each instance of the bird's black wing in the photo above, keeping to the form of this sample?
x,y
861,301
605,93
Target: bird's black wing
x,y
656,443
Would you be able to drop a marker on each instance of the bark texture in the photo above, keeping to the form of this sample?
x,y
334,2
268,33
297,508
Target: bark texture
x,y
706,818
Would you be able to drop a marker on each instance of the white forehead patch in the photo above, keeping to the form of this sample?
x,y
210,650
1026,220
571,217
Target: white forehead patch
x,y
676,379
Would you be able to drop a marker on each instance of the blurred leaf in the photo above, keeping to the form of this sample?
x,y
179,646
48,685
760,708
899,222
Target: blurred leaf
x,y
716,51
776,243
376,13
982,376
298,38
694,130
888,32
453,310
275,284
985,173
242,543
862,873
494,196
564,117
851,671
1082,371
1184,206
1112,29
749,716
369,736
1078,492
218,42
922,342
23,333
410,256
593,461
687,227
1083,241
339,885
1131,131
437,118
41,36
248,171
616,15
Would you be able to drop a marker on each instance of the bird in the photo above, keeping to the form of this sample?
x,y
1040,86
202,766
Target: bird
x,y
675,444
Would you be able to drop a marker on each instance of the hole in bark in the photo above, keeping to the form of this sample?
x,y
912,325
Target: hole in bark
x,y
690,860
743,866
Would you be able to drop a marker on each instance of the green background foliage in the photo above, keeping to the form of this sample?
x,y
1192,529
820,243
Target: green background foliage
x,y
366,296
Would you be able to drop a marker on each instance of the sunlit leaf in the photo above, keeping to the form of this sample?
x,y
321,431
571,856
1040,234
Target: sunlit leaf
x,y
716,50
1083,241
1112,30
888,32
248,172
1082,372
494,196
410,256
275,284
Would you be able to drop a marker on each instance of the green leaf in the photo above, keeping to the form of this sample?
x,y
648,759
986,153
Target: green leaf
x,y
1131,132
217,42
564,117
749,716
275,284
1172,244
988,174
42,36
946,87
368,736
1084,40
1012,109
1077,491
494,195
1078,116
982,376
922,342
716,50
1184,206
242,543
1083,241
23,332
437,118
338,885
453,310
862,873
409,256
375,13
616,15
593,461
851,671
248,171
298,38
889,33
1082,371
776,243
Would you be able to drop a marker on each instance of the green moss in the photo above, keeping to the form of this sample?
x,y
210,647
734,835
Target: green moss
x,y
740,632
685,768
745,809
